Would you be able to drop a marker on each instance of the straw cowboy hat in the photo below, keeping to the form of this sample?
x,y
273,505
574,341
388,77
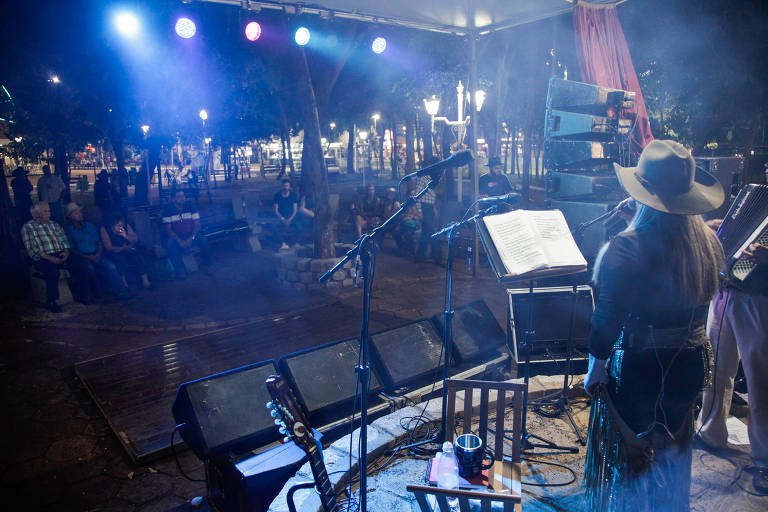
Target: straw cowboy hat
x,y
70,209
666,179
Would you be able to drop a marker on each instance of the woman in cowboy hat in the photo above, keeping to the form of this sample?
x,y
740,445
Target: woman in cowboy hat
x,y
649,354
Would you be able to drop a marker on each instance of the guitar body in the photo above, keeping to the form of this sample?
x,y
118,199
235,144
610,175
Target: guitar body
x,y
295,426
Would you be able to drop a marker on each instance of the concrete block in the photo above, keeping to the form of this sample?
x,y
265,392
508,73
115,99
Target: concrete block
x,y
348,282
292,276
303,264
333,284
305,277
254,243
299,287
281,274
190,262
321,264
338,276
39,295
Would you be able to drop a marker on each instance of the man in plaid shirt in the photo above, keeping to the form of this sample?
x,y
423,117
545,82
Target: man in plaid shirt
x,y
48,247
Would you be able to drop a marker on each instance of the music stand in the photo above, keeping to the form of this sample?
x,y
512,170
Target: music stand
x,y
499,269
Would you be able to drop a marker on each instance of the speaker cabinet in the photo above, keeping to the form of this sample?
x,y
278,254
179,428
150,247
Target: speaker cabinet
x,y
407,353
324,379
551,321
586,98
475,331
226,411
727,170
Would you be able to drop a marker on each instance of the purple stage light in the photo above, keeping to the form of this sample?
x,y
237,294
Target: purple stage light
x,y
252,31
185,28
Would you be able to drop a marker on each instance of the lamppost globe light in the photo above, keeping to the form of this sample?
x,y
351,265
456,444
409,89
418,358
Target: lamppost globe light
x,y
332,125
479,99
145,128
204,114
363,135
432,105
376,116
54,79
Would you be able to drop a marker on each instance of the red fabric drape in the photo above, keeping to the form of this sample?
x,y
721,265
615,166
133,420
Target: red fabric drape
x,y
604,60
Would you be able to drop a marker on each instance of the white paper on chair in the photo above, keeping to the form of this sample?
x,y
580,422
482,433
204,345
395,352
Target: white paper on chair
x,y
737,431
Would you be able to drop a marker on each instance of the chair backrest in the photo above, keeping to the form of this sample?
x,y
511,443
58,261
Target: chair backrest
x,y
505,392
509,502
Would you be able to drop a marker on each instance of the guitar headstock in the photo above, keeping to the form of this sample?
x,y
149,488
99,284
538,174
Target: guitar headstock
x,y
285,408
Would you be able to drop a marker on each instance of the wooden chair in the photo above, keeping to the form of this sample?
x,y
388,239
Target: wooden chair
x,y
504,476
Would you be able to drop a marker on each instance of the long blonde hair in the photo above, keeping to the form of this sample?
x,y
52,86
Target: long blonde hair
x,y
692,253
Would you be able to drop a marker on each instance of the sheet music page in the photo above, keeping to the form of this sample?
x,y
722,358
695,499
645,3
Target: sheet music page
x,y
516,242
555,238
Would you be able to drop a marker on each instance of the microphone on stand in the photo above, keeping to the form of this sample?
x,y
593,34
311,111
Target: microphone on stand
x,y
511,198
458,159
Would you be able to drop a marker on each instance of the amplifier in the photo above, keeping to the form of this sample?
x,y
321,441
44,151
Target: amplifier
x,y
586,98
575,126
579,154
602,185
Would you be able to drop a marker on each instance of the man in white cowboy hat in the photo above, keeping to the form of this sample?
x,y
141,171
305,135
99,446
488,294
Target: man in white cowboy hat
x,y
647,343
85,245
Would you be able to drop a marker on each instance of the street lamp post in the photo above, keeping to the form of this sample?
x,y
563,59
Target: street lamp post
x,y
432,105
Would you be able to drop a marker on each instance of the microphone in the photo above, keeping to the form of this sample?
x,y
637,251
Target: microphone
x,y
458,159
511,198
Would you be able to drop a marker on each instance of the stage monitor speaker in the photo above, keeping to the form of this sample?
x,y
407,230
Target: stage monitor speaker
x,y
226,412
593,238
407,353
570,125
324,378
551,321
586,98
579,154
727,170
475,331
592,185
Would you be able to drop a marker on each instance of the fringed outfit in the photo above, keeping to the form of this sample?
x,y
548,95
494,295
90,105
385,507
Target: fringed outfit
x,y
658,360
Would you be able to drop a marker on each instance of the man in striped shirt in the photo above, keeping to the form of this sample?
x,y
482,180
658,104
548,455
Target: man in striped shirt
x,y
48,247
182,227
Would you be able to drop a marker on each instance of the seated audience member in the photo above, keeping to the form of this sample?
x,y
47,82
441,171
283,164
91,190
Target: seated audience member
x,y
48,247
494,183
85,244
121,247
182,227
408,229
286,207
101,192
367,211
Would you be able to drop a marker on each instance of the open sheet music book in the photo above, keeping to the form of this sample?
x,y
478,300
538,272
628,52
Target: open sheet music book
x,y
528,244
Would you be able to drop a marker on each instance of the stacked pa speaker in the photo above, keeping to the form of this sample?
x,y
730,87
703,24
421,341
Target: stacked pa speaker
x,y
585,132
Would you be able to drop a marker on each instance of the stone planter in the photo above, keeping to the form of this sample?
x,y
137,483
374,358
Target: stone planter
x,y
298,272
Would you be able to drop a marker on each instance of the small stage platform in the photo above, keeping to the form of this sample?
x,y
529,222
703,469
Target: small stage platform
x,y
135,389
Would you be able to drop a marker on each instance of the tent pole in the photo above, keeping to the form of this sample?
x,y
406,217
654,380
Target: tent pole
x,y
473,125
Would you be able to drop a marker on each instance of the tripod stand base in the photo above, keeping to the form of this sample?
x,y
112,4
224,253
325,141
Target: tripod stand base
x,y
527,445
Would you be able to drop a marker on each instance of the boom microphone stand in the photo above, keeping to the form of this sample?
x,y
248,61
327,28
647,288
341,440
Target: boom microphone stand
x,y
364,249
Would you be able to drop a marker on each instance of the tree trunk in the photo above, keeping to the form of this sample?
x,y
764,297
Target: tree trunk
x,y
283,157
410,160
393,140
314,173
351,150
426,129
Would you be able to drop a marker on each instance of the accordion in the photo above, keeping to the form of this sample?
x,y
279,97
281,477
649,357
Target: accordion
x,y
745,223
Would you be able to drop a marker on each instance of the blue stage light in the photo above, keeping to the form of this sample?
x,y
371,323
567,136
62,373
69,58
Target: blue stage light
x,y
379,45
185,28
127,24
302,36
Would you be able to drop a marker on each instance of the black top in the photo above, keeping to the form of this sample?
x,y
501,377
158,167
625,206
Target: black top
x,y
494,185
285,204
634,285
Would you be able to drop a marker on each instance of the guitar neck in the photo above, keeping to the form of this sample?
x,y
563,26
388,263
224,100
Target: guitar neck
x,y
327,496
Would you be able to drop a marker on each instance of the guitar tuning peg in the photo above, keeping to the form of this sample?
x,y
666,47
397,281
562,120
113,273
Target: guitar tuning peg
x,y
282,430
278,421
273,413
270,405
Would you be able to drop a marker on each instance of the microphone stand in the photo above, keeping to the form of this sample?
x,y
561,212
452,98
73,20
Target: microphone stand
x,y
449,231
364,249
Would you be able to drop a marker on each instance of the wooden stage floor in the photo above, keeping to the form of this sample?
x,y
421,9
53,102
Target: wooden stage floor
x,y
135,389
